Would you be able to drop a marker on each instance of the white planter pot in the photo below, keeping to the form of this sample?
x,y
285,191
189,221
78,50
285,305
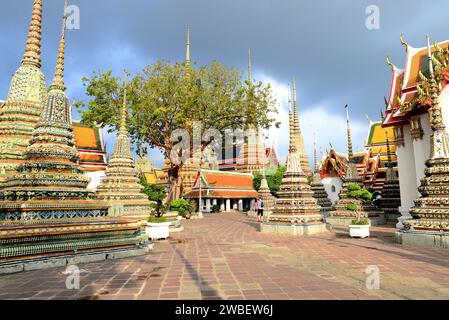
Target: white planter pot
x,y
158,231
356,231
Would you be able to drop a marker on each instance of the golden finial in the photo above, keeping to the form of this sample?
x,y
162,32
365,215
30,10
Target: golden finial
x,y
368,118
390,63
58,80
350,151
32,54
124,109
390,164
403,42
435,114
188,47
289,97
315,154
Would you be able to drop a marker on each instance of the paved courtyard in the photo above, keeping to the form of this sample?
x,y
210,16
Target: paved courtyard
x,y
225,257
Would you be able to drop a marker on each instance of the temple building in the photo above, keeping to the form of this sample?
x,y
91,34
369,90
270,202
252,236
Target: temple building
x,y
45,209
93,157
391,194
429,223
121,188
371,163
296,211
150,174
342,216
319,192
231,191
26,97
408,113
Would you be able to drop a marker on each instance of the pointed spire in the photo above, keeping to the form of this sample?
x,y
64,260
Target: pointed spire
x,y
292,147
289,98
295,102
250,67
436,116
315,154
124,110
32,54
188,47
350,152
58,80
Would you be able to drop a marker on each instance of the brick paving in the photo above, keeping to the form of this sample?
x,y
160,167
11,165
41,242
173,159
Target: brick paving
x,y
224,256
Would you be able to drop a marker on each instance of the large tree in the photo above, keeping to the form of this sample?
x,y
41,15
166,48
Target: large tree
x,y
166,97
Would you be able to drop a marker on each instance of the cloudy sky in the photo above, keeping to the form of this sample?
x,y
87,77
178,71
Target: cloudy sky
x,y
336,59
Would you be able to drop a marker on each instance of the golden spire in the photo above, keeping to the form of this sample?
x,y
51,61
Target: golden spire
x,y
350,152
315,154
289,98
32,54
295,110
292,147
124,110
403,42
58,80
436,116
188,47
250,67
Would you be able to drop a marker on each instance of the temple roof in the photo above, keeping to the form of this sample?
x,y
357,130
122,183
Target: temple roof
x,y
403,85
90,144
222,184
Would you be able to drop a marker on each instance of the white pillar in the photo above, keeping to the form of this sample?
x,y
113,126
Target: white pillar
x,y
222,205
228,205
208,206
241,205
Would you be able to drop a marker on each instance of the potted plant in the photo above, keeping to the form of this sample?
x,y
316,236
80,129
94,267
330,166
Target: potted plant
x,y
183,207
359,228
158,228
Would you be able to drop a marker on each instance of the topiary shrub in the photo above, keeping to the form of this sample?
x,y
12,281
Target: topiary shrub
x,y
182,206
215,208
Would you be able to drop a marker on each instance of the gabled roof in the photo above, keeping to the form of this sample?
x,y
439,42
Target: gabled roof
x,y
90,144
404,85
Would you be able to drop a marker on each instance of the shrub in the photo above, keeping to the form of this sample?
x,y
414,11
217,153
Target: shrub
x,y
360,222
182,206
157,220
352,207
215,208
356,192
353,187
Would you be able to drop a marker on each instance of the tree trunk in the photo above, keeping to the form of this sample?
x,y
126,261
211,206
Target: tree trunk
x,y
175,184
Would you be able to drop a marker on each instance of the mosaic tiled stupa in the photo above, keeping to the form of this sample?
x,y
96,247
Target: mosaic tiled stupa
x,y
26,97
265,194
319,192
121,187
45,210
391,194
430,223
299,139
342,216
296,211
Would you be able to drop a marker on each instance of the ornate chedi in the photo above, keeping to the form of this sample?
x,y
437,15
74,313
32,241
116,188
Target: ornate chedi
x,y
305,163
391,195
45,209
252,158
121,187
296,210
265,194
26,98
430,223
317,186
342,216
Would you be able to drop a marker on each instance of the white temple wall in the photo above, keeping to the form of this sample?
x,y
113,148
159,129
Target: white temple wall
x,y
421,149
407,173
332,185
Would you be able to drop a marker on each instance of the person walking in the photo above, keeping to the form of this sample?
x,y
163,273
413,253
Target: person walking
x,y
259,209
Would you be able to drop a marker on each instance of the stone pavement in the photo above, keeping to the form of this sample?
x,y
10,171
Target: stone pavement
x,y
223,256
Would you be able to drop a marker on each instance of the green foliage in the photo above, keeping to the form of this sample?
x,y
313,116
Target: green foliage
x,y
165,97
215,208
274,180
360,222
157,194
182,206
157,220
356,192
352,207
257,180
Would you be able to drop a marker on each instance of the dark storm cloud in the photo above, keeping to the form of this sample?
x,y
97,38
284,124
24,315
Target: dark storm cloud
x,y
335,58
